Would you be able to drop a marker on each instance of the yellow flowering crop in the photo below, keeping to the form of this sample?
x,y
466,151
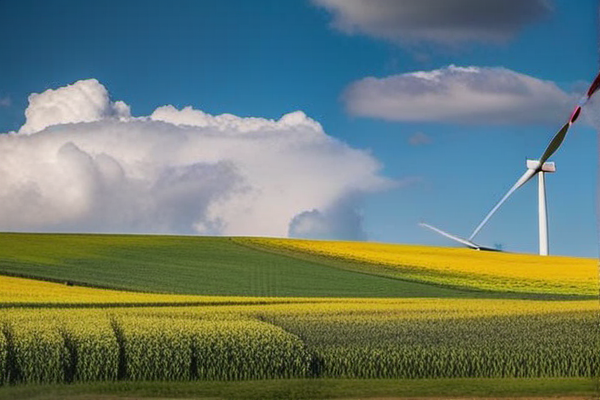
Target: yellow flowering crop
x,y
30,291
481,270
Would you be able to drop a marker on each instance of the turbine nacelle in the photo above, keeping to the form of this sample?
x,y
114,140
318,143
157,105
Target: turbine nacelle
x,y
548,166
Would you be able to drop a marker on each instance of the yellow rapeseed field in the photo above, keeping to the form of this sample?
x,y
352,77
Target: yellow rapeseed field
x,y
407,308
20,291
496,271
29,291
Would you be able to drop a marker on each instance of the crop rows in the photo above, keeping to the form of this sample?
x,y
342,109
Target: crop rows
x,y
489,271
386,339
95,346
368,346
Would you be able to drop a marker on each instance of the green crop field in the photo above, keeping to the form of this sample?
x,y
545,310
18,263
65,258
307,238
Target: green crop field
x,y
338,328
211,266
193,265
379,339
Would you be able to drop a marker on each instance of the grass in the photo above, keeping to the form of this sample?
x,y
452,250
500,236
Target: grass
x,y
314,389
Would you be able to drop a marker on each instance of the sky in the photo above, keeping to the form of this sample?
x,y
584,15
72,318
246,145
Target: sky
x,y
342,119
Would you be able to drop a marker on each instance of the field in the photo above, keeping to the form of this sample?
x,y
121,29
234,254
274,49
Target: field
x,y
187,265
461,268
346,339
416,335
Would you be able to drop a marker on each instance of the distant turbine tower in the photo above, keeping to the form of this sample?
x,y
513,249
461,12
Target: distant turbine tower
x,y
534,167
542,212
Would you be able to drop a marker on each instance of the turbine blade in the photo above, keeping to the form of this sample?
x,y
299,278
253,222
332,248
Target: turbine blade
x,y
575,114
555,143
450,236
530,173
594,86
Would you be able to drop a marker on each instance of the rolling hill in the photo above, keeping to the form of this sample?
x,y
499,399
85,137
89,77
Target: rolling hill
x,y
220,266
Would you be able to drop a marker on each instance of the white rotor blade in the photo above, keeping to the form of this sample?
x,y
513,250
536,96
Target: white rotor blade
x,y
530,173
450,236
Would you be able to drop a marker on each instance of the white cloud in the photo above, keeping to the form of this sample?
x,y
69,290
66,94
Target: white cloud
x,y
339,221
83,101
435,21
176,171
469,95
232,123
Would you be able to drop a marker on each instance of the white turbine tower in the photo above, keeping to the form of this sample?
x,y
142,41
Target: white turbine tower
x,y
542,211
542,205
534,167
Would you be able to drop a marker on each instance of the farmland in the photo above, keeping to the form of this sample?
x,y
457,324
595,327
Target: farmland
x,y
143,310
289,268
187,265
443,338
493,271
20,292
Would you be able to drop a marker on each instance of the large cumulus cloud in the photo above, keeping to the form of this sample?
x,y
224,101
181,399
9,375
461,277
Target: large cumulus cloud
x,y
468,95
82,163
84,101
435,21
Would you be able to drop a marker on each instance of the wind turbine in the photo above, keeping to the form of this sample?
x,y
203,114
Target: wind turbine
x,y
534,167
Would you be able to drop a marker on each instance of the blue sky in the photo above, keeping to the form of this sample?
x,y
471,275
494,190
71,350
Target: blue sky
x,y
268,58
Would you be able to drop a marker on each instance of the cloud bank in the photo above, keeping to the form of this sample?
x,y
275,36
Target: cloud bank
x,y
446,22
468,95
81,162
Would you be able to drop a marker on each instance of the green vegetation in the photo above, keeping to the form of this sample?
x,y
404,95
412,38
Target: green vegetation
x,y
192,265
88,345
211,266
524,274
309,389
422,339
382,346
37,353
159,348
473,343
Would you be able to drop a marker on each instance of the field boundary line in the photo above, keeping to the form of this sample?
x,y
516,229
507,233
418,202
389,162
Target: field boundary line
x,y
159,304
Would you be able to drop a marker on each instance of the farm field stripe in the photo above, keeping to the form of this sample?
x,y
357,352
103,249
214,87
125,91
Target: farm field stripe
x,y
332,262
316,389
455,267
22,292
366,268
210,266
402,339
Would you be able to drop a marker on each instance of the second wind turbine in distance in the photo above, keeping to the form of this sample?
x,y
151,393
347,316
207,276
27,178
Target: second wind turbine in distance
x,y
534,167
